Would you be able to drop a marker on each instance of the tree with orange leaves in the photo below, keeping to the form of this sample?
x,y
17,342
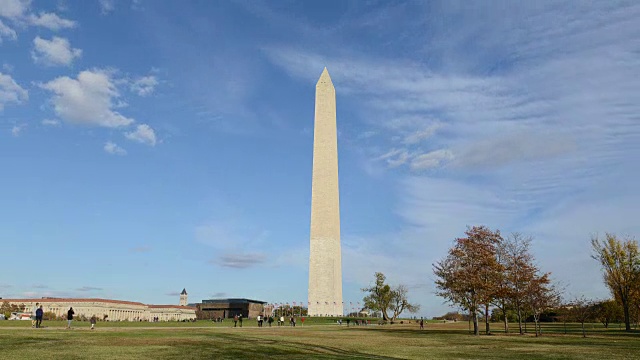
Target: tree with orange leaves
x,y
467,276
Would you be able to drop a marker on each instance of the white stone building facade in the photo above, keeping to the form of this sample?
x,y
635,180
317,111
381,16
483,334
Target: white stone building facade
x,y
115,310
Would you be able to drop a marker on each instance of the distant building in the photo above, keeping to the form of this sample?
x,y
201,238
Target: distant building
x,y
111,310
228,308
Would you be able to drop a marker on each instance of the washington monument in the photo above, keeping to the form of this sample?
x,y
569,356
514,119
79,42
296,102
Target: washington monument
x,y
325,264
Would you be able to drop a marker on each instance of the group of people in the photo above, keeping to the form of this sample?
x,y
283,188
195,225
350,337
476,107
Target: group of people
x,y
38,313
292,321
261,319
36,316
237,320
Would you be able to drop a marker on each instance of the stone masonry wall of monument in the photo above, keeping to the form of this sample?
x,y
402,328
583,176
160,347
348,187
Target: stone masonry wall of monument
x,y
325,264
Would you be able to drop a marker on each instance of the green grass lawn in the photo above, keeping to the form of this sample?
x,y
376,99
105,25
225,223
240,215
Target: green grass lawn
x,y
207,340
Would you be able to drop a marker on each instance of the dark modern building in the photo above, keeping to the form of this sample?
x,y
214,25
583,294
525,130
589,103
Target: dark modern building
x,y
228,308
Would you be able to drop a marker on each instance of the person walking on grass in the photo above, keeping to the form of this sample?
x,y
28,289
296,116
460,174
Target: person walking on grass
x,y
93,321
421,324
39,314
33,315
70,317
235,321
240,319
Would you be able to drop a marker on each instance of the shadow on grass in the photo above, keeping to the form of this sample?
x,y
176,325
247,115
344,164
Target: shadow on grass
x,y
268,348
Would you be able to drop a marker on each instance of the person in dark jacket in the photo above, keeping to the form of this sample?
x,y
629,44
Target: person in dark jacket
x,y
70,317
39,313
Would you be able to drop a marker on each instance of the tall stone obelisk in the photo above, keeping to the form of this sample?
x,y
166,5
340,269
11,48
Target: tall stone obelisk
x,y
325,264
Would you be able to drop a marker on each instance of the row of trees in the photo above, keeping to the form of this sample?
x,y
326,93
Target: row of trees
x,y
484,271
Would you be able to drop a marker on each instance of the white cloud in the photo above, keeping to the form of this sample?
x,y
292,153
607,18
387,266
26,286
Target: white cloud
x,y
143,134
395,157
114,149
56,51
431,160
17,129
7,67
7,32
107,6
87,100
420,135
13,8
513,147
17,11
10,91
50,122
145,85
50,21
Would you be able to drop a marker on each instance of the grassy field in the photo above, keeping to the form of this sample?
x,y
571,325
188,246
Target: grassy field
x,y
206,340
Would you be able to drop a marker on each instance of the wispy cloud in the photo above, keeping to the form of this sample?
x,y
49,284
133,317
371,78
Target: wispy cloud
x,y
11,92
16,130
88,288
143,134
50,122
107,6
230,240
240,261
141,249
19,12
113,149
144,86
6,32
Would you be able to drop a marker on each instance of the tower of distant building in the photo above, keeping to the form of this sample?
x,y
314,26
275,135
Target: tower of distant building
x,y
183,297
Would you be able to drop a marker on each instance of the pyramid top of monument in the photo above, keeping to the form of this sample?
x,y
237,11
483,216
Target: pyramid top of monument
x,y
325,78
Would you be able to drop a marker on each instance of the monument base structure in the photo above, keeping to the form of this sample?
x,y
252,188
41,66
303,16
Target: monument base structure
x,y
325,263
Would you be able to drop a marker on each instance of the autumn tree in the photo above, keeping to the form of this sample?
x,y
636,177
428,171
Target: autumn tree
x,y
467,276
503,292
539,295
399,302
607,312
520,271
582,311
620,261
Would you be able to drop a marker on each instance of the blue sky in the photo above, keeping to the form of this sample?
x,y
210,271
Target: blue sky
x,y
150,146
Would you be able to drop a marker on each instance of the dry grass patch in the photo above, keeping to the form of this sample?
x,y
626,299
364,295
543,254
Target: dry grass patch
x,y
443,341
